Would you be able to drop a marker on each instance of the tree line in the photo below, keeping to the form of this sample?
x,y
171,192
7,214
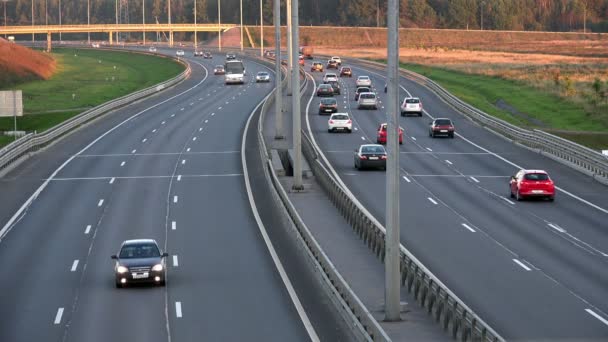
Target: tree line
x,y
529,15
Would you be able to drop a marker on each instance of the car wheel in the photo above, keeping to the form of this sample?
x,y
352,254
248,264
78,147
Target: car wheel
x,y
420,114
350,131
511,193
162,283
401,142
118,285
551,198
356,166
451,136
329,130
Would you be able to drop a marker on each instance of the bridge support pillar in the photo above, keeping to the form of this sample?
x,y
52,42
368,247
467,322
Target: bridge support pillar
x,y
171,38
48,42
111,36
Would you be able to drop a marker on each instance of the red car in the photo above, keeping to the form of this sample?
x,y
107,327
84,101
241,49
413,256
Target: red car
x,y
382,134
532,183
441,126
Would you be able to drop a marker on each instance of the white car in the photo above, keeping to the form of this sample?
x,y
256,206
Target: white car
x,y
367,100
330,76
411,105
363,81
95,45
262,76
337,59
152,49
179,52
339,122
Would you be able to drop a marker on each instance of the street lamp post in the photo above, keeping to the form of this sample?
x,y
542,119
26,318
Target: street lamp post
x,y
32,21
89,21
295,100
289,45
5,1
59,20
195,31
278,99
170,30
241,4
219,25
261,29
143,19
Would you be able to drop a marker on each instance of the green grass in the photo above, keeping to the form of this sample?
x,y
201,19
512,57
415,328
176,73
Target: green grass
x,y
5,140
88,75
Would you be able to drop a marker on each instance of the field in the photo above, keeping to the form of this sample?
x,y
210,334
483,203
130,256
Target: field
x,y
85,79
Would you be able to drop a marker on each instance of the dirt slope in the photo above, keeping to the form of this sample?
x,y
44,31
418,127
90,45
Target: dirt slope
x,y
19,64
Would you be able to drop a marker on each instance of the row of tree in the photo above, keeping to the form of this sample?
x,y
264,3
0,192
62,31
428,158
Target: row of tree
x,y
534,15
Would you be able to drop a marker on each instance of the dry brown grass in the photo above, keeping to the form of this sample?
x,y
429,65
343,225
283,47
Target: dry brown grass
x,y
18,63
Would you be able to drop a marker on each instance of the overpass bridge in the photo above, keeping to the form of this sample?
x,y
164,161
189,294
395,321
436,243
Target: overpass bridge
x,y
112,29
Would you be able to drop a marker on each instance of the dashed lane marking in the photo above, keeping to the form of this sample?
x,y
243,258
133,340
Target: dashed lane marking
x,y
174,199
112,180
100,203
74,266
467,227
178,309
58,316
87,230
522,265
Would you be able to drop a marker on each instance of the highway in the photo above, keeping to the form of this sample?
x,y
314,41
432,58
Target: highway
x,y
167,168
533,270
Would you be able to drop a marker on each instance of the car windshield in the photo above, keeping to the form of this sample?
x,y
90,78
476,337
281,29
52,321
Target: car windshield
x,y
444,122
412,101
363,78
219,67
330,101
262,73
362,90
143,250
372,149
324,86
345,69
340,117
368,96
536,176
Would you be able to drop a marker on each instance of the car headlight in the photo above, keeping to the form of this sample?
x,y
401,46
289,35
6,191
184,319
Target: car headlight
x,y
122,269
157,268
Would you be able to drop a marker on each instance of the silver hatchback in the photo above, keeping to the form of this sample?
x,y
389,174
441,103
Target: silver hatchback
x,y
367,100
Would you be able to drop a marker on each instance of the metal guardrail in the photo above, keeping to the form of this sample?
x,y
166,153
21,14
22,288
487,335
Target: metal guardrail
x,y
17,151
569,153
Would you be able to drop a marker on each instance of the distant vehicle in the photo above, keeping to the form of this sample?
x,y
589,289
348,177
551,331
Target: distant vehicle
x,y
331,64
139,261
367,100
330,76
370,156
363,81
325,90
219,70
95,45
328,106
198,53
235,72
270,54
152,49
301,60
262,76
382,134
339,122
337,60
316,66
360,90
306,51
179,52
207,55
336,86
230,56
411,105
441,126
532,183
346,71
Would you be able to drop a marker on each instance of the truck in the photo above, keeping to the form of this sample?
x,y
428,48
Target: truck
x,y
235,72
306,51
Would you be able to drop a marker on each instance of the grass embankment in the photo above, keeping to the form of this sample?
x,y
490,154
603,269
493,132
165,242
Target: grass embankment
x,y
85,79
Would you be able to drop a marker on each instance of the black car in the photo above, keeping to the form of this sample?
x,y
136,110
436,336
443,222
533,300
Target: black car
x,y
328,106
139,261
335,85
361,90
325,90
441,126
370,156
331,64
207,55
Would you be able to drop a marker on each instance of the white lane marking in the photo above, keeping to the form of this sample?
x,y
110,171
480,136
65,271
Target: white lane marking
x,y
194,139
132,152
175,261
144,140
432,200
507,200
234,97
178,309
58,316
227,102
200,129
414,138
192,103
219,107
172,115
123,163
59,179
356,129
592,313
173,225
74,266
206,121
179,178
522,265
556,227
474,179
112,180
180,109
100,203
430,150
212,114
87,229
188,149
162,123
200,99
183,161
175,199
467,227
449,162
154,130
407,179
362,138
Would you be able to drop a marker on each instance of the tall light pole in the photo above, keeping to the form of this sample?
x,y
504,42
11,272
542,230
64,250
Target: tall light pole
x,y
278,98
219,25
116,12
89,21
60,20
392,301
289,45
5,1
32,20
295,101
242,45
261,29
170,30
143,20
195,32
46,13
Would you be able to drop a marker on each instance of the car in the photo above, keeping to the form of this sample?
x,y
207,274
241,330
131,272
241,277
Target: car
x,y
328,106
367,100
441,126
339,122
335,85
230,56
219,70
262,76
363,81
325,90
370,156
95,45
532,183
382,134
330,76
179,53
346,71
139,261
411,105
301,60
360,90
331,64
198,53
207,55
316,66
337,60
152,49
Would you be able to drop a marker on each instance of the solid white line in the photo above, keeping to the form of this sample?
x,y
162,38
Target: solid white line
x,y
58,316
449,162
133,151
508,200
602,319
179,178
173,225
474,179
194,139
467,227
522,265
178,309
123,163
174,199
432,200
112,180
88,229
407,179
429,149
100,203
556,227
175,261
183,161
74,266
